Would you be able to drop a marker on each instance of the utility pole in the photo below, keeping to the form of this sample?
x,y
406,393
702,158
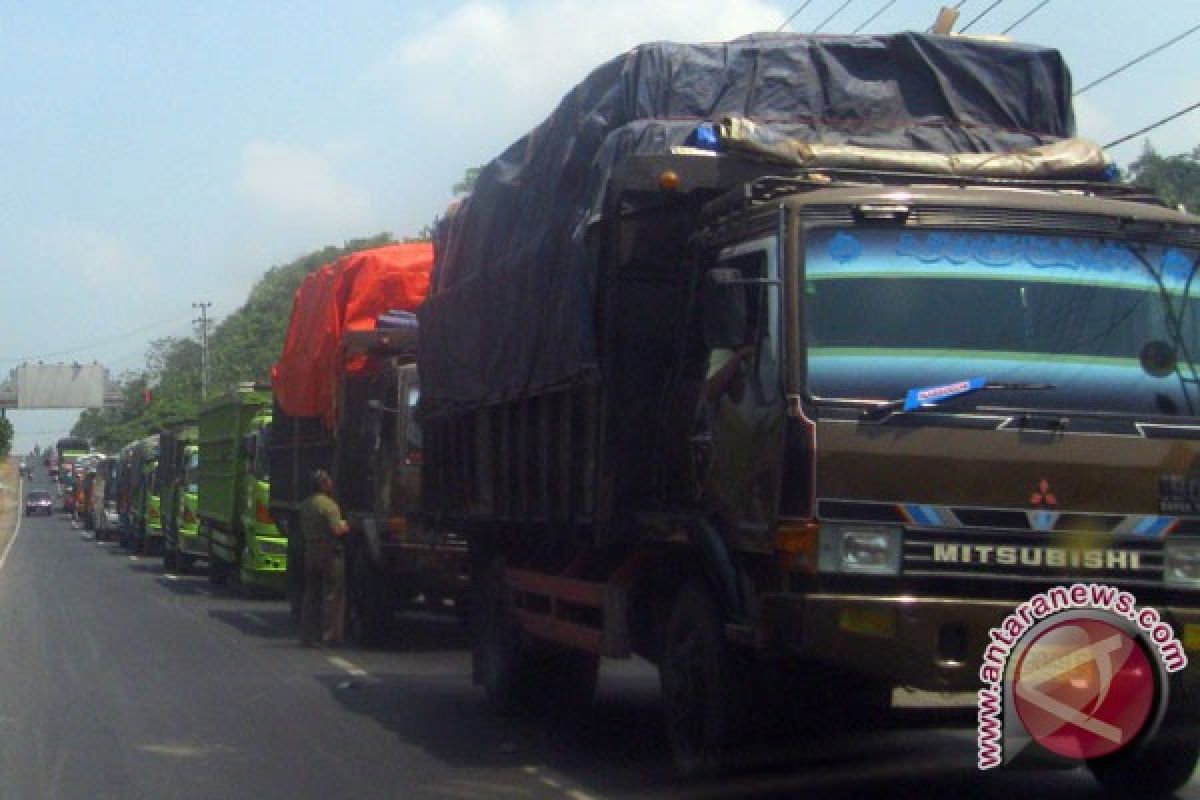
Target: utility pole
x,y
203,306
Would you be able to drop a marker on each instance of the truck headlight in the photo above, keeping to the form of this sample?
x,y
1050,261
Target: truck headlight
x,y
1181,564
860,549
272,548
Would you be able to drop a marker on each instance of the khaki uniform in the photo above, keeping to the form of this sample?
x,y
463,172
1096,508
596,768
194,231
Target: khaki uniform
x,y
324,613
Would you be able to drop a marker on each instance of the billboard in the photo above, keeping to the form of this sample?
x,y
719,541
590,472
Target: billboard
x,y
58,386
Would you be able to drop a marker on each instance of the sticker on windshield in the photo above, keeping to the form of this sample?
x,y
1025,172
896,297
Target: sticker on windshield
x,y
932,395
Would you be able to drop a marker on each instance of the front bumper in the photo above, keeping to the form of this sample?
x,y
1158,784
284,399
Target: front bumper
x,y
927,643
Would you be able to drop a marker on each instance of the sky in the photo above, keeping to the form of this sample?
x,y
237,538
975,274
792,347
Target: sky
x,y
160,154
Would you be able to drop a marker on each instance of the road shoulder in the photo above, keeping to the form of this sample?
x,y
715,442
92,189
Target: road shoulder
x,y
10,505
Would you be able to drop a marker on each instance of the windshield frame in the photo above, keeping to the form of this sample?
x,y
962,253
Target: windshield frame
x,y
983,211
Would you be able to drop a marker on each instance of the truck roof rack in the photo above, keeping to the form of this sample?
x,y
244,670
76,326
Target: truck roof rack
x,y
769,187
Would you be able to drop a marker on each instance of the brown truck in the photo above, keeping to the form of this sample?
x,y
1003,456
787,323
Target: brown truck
x,y
808,421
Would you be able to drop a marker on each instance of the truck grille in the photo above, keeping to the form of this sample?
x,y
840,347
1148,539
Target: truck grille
x,y
1034,557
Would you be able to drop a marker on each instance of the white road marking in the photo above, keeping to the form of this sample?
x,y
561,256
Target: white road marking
x,y
17,529
171,576
349,667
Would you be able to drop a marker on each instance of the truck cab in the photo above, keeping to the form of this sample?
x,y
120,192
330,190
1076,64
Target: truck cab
x,y
920,405
264,554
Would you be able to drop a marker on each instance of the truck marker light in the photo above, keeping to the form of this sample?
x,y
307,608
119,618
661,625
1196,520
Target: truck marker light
x,y
1191,637
796,545
668,181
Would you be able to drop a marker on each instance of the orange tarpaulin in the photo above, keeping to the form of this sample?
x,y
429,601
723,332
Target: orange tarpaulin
x,y
347,295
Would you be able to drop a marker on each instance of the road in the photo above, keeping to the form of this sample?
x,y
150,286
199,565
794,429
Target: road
x,y
117,681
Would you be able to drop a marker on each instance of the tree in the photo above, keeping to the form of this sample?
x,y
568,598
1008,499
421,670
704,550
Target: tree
x,y
6,436
1176,179
247,343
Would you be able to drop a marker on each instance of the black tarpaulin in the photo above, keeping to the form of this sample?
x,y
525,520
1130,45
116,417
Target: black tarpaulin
x,y
511,309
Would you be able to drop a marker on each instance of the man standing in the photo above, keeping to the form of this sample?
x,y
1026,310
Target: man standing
x,y
321,522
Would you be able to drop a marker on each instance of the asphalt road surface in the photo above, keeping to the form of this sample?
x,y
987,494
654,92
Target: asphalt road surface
x,y
117,681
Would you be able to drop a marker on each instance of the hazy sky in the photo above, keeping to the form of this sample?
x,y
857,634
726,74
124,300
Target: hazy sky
x,y
160,153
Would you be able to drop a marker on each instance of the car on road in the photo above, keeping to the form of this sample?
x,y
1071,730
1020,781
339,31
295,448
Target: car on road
x,y
39,501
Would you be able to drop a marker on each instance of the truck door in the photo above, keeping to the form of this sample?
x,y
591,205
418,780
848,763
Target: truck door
x,y
740,415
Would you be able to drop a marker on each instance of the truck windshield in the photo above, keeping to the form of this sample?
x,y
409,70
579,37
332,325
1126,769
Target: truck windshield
x,y
889,310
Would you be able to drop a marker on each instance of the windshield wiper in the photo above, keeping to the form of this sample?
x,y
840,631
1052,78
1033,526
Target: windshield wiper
x,y
932,396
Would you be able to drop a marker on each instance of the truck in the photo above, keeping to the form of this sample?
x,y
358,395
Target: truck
x,y
143,533
242,543
71,449
351,412
799,394
178,465
106,519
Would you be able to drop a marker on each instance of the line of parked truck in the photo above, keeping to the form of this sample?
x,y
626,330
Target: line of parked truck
x,y
797,408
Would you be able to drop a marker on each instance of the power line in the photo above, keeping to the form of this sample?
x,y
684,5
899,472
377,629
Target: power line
x,y
831,16
795,14
1138,60
94,344
1151,127
1028,14
980,16
874,16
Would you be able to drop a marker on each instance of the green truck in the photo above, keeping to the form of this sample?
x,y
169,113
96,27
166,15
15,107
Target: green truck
x,y
179,459
240,538
143,533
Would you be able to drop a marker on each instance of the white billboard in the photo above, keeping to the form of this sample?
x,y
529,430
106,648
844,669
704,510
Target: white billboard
x,y
58,386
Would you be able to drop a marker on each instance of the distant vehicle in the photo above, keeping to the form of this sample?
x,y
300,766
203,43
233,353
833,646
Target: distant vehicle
x,y
24,470
39,501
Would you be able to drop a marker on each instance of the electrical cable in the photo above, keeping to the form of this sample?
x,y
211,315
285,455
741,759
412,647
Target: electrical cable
x,y
1028,14
93,344
1151,127
980,15
795,13
831,16
874,16
1137,60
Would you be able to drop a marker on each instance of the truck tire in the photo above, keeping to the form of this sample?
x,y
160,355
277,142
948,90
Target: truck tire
x,y
705,701
503,658
368,609
218,570
1157,768
170,558
184,564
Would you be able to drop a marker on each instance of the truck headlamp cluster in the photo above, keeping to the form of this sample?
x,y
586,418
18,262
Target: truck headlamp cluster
x,y
860,549
1181,564
270,548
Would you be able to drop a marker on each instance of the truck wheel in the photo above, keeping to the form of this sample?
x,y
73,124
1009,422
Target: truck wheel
x,y
569,678
1158,769
184,563
368,609
702,694
504,667
170,558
